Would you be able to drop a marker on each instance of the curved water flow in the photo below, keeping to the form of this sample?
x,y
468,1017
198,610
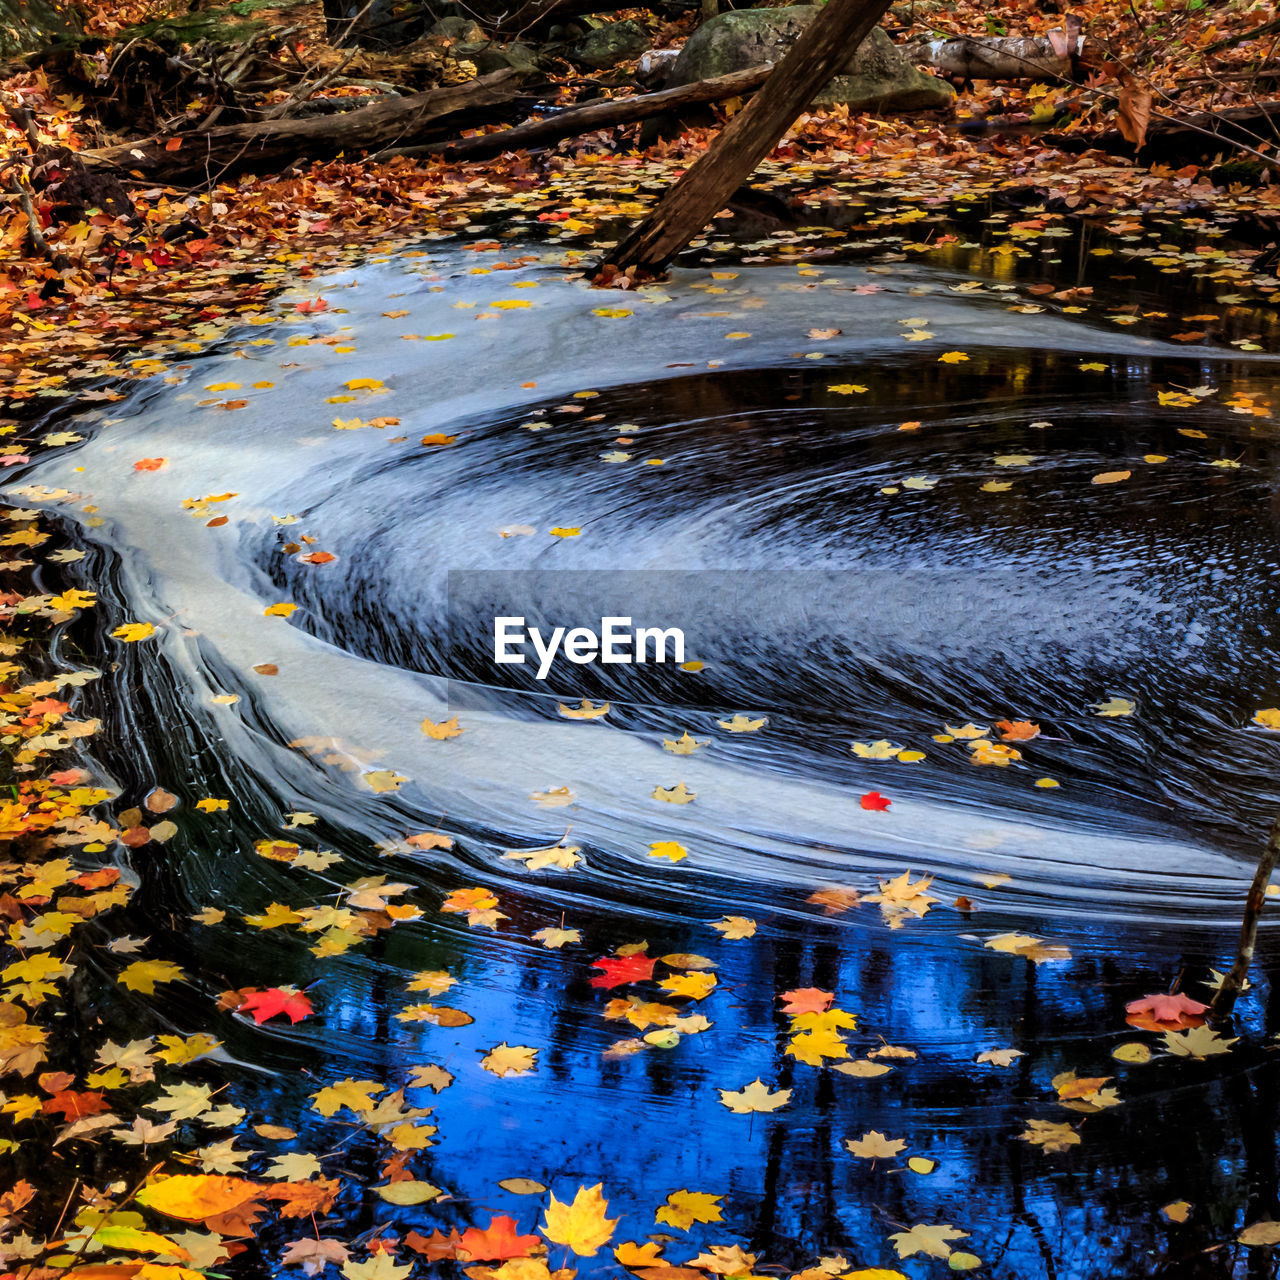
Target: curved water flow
x,y
766,503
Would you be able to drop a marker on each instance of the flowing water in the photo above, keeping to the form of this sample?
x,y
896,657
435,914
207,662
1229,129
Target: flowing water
x,y
863,543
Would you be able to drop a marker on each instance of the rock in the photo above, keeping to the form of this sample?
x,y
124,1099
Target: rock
x,y
488,57
610,44
654,67
877,77
523,57
461,30
31,24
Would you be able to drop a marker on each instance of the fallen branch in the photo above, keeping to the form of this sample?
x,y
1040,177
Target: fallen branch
x,y
822,49
604,113
1233,984
263,143
1168,134
34,232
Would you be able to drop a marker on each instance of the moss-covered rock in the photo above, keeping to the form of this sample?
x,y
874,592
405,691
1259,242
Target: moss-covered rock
x,y
32,24
220,24
607,45
877,77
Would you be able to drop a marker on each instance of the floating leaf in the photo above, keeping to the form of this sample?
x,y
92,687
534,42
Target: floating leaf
x,y
1052,1137
134,631
875,1146
754,1097
581,1224
683,1208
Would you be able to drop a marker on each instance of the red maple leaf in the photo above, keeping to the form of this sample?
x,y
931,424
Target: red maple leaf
x,y
76,1105
806,1000
316,304
499,1241
266,1004
436,1246
619,970
1161,1012
874,800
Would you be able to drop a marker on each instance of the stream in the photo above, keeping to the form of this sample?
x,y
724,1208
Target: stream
x,y
870,539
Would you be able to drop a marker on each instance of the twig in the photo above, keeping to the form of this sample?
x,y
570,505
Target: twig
x,y
34,231
1225,999
1241,37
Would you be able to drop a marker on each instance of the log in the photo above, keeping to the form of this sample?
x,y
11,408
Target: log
x,y
822,49
604,113
264,143
992,58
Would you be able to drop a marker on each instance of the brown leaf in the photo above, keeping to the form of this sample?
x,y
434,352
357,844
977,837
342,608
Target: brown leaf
x,y
160,801
1134,115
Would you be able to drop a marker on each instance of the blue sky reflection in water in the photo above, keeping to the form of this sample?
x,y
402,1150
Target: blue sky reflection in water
x,y
1158,589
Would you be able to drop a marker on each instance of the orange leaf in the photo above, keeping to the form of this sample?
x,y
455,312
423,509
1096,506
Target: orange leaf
x,y
806,1000
1018,730
499,1241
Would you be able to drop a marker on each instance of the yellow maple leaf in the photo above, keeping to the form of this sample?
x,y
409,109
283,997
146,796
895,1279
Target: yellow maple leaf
x,y
384,780
742,724
436,981
581,1224
1113,707
445,729
631,1255
683,1208
875,1146
279,610
1050,1136
356,1095
132,631
996,753
667,849
696,986
193,1197
511,1060
754,1097
679,794
814,1047
566,856
179,1050
1029,947
142,975
587,711
735,927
